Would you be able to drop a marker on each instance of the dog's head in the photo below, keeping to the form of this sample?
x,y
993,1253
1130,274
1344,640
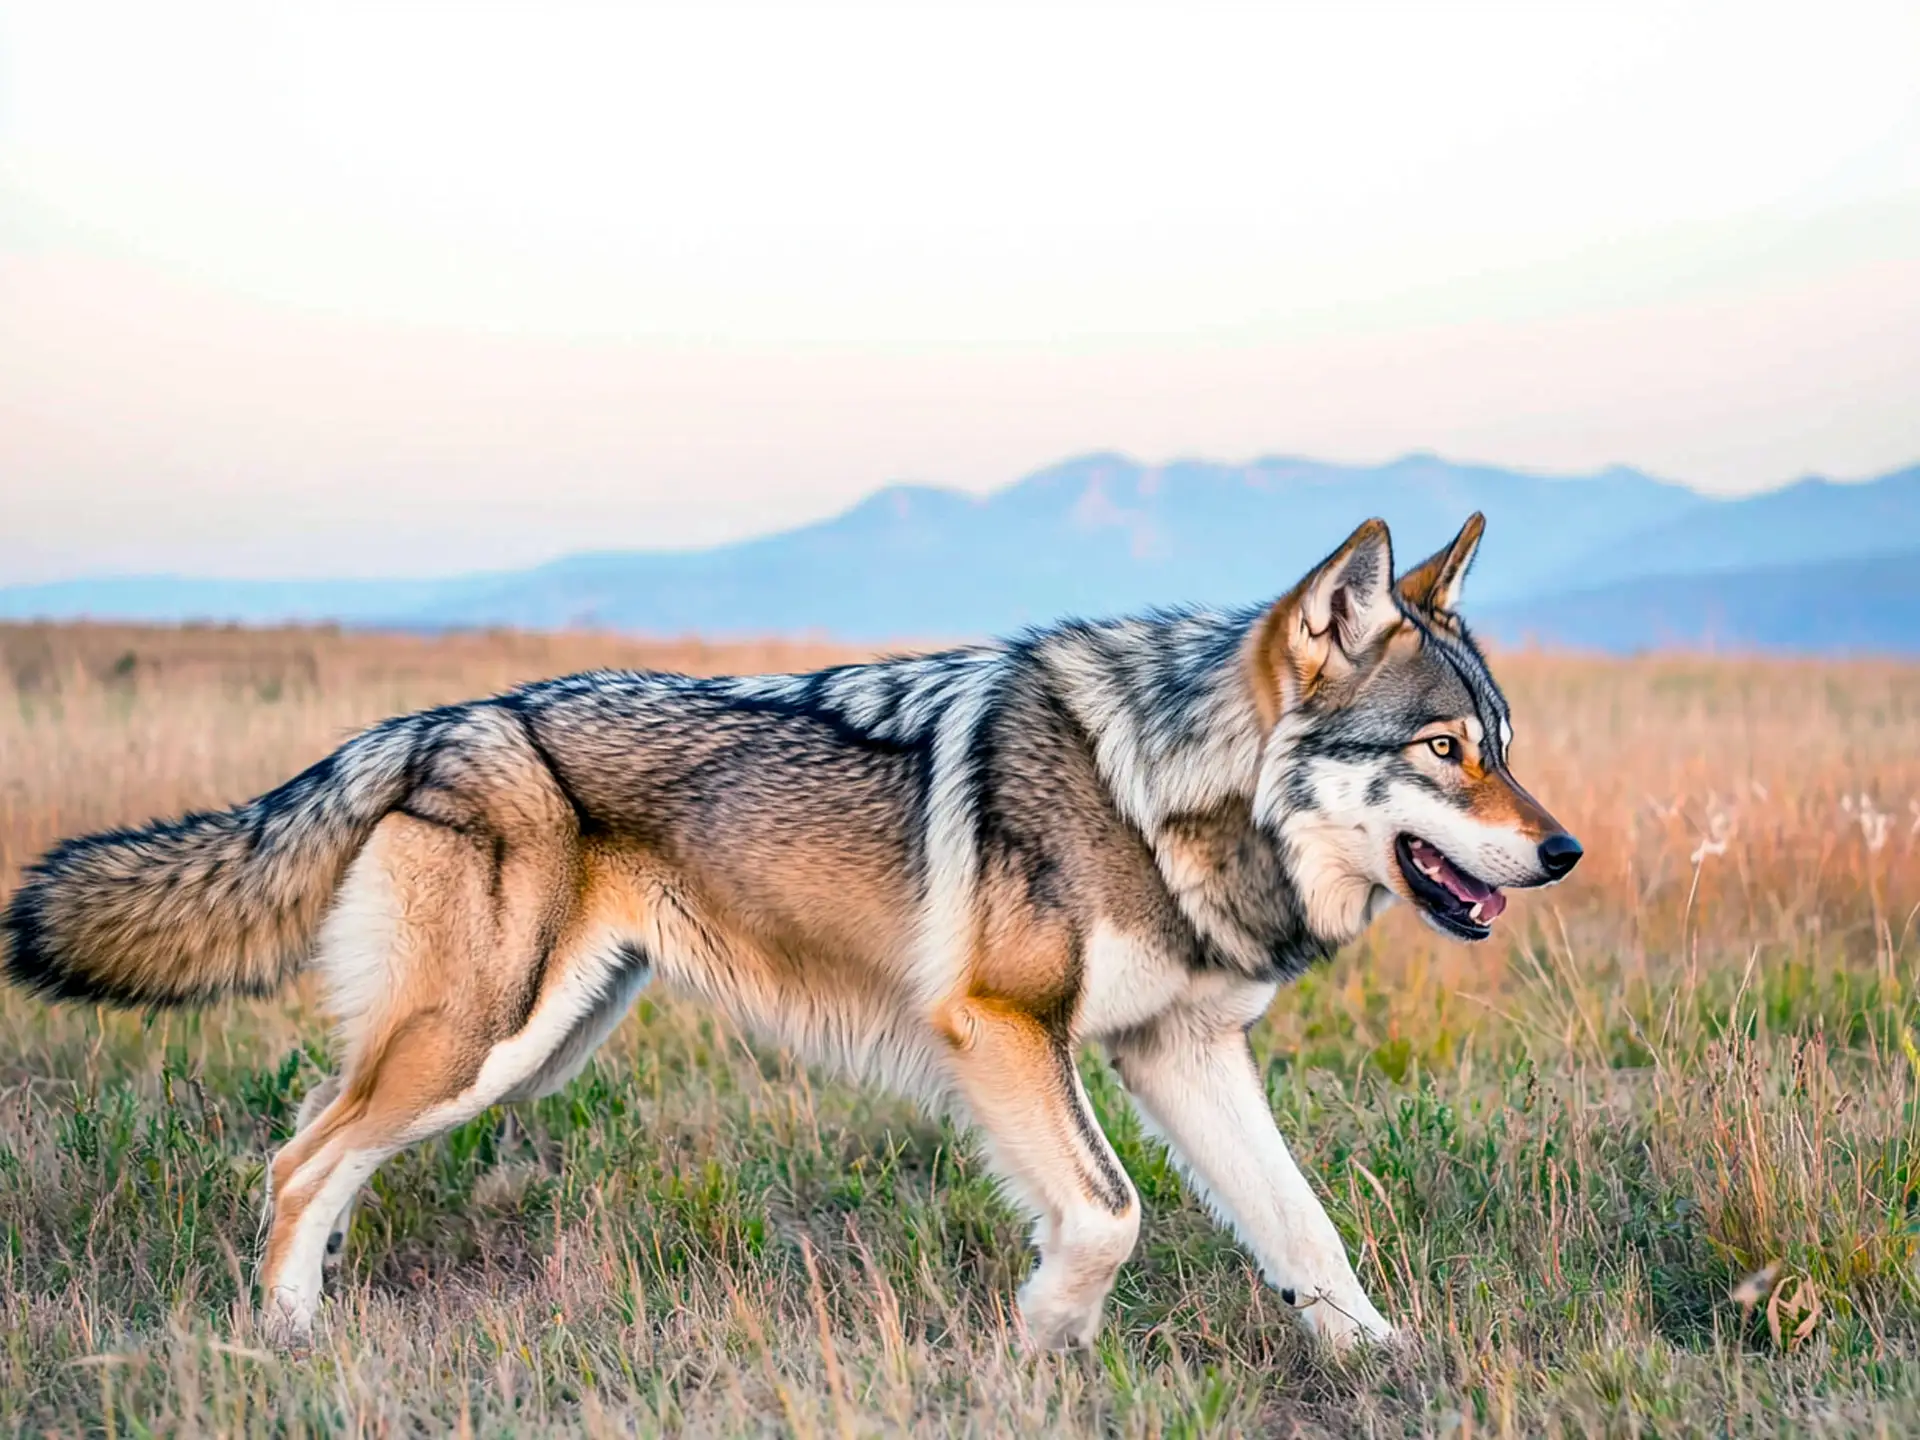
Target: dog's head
x,y
1385,768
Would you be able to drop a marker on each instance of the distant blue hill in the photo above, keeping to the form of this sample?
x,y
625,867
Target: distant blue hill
x,y
1104,534
1808,521
1093,536
1863,605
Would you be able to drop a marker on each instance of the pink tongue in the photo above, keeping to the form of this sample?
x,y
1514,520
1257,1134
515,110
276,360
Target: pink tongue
x,y
1465,887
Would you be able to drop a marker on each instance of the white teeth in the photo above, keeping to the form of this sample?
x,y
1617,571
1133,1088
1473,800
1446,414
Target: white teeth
x,y
1432,872
1474,913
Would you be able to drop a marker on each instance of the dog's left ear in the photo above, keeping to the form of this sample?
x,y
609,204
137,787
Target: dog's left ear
x,y
1433,586
1328,626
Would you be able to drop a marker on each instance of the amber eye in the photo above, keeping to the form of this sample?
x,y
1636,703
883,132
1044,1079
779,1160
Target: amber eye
x,y
1445,746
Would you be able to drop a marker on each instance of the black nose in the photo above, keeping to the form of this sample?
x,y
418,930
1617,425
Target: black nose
x,y
1559,854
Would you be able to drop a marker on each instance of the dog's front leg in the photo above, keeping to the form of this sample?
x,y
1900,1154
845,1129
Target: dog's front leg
x,y
1200,1090
1016,1078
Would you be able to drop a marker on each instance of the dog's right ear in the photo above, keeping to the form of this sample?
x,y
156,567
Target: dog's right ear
x,y
1433,586
1326,625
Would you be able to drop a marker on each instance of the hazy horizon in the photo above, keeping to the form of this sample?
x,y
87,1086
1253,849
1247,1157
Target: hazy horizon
x,y
348,573
361,291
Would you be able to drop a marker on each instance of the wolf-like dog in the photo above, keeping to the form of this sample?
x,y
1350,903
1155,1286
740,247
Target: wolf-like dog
x,y
945,872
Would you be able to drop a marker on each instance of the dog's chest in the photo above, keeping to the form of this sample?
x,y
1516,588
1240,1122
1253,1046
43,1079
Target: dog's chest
x,y
1128,980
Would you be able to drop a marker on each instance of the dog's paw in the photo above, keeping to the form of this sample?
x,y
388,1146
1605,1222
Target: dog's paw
x,y
286,1322
1347,1324
1053,1323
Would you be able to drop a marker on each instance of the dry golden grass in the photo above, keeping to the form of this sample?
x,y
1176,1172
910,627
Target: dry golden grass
x,y
1645,1164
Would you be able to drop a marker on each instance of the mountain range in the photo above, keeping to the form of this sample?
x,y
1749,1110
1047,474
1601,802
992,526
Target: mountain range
x,y
1615,560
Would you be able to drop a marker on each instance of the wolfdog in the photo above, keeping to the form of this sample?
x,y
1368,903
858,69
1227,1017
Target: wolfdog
x,y
945,872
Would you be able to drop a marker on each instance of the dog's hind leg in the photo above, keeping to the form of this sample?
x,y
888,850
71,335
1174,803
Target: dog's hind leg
x,y
487,975
1017,1079
312,1104
427,1076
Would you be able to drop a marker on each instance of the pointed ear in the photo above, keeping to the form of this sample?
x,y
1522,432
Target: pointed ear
x,y
1434,584
1330,621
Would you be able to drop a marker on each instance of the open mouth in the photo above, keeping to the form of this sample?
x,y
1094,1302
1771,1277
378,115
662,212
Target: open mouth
x,y
1457,902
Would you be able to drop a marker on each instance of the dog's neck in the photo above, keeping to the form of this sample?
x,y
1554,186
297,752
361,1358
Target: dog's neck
x,y
1168,708
1167,704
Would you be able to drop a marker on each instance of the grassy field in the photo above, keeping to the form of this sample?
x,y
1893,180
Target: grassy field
x,y
1645,1164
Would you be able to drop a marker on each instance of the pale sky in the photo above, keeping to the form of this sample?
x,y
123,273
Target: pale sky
x,y
324,290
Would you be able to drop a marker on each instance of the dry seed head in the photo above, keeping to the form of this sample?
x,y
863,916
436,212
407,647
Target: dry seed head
x,y
1753,1289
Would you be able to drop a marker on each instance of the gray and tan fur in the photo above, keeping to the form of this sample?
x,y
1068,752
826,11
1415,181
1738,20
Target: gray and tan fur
x,y
945,873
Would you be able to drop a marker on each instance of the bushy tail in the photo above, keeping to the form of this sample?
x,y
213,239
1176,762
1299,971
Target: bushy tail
x,y
183,912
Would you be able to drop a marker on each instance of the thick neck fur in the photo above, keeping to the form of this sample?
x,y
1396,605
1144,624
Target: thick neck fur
x,y
1167,702
1168,705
